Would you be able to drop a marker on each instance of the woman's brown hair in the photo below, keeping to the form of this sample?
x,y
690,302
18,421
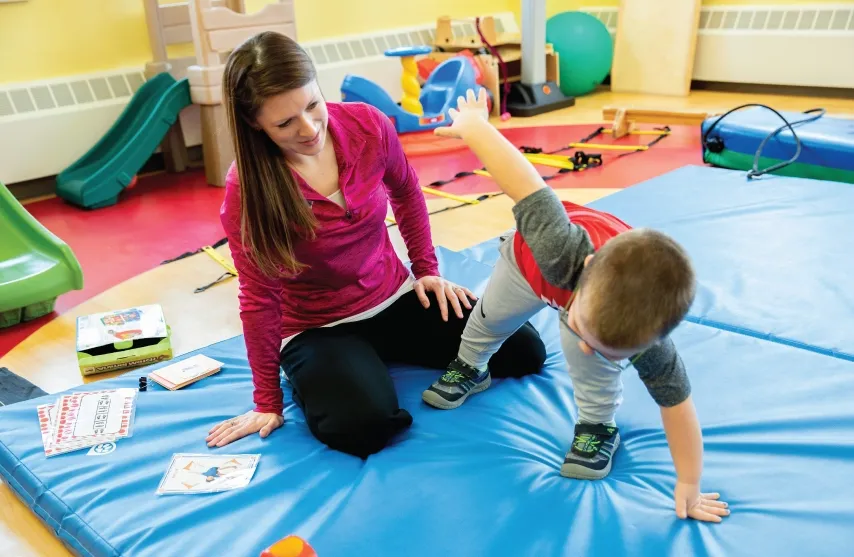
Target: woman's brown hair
x,y
273,213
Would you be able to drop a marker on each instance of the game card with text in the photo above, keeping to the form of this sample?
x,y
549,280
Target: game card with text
x,y
87,418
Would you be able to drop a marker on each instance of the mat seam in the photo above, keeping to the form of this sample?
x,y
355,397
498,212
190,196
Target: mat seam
x,y
744,331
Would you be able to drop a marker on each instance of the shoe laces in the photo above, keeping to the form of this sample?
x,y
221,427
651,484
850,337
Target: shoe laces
x,y
587,441
459,372
453,376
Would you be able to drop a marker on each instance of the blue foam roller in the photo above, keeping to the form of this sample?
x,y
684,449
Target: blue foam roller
x,y
826,142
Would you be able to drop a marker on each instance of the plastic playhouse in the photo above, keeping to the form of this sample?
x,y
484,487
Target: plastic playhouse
x,y
422,108
35,265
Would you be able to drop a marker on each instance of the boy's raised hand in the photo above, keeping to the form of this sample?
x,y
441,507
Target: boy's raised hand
x,y
470,110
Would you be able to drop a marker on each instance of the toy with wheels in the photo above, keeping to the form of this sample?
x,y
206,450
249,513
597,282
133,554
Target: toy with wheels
x,y
427,65
422,108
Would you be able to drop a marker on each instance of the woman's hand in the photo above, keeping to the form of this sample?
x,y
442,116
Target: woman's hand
x,y
470,113
445,292
241,426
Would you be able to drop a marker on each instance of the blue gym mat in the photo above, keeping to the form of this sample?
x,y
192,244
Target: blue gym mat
x,y
826,141
773,255
484,479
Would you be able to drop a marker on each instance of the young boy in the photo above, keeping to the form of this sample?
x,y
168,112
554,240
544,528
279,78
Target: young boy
x,y
620,293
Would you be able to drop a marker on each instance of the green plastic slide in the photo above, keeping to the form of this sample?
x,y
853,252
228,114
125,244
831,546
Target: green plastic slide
x,y
98,177
35,265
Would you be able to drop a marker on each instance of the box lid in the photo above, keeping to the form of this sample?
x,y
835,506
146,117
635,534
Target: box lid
x,y
120,328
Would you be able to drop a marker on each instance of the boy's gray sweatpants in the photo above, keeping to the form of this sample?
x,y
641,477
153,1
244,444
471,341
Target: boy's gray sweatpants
x,y
505,306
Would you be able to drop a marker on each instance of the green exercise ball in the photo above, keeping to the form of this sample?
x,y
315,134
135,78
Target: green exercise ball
x,y
585,50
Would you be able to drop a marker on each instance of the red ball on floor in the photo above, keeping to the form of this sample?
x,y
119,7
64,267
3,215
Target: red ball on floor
x,y
291,546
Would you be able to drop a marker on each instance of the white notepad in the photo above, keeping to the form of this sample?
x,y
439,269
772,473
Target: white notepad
x,y
180,374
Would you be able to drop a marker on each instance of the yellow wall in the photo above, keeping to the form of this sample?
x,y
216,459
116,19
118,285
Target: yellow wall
x,y
48,38
41,39
318,19
780,2
557,6
51,38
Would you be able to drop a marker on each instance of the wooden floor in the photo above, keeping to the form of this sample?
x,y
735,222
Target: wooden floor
x,y
48,359
588,109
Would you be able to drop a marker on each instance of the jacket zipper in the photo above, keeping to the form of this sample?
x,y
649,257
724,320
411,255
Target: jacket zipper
x,y
347,213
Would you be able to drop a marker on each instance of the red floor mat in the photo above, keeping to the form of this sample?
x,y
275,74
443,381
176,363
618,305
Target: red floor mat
x,y
681,147
168,214
161,217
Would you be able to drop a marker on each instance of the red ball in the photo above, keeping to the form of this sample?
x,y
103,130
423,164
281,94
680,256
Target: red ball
x,y
291,546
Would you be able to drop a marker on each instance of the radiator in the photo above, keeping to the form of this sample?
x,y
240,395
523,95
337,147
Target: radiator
x,y
46,125
809,45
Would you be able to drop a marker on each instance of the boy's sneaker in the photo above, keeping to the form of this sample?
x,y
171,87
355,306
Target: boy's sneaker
x,y
592,450
454,387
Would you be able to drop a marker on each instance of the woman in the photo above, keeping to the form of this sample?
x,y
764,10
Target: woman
x,y
322,292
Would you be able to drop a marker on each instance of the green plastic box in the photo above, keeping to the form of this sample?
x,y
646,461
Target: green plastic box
x,y
122,339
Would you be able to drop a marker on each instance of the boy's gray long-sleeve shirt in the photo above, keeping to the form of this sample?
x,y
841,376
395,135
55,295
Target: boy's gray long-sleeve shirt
x,y
559,247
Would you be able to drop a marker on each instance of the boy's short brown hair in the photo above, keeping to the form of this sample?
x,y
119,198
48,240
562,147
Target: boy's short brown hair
x,y
636,289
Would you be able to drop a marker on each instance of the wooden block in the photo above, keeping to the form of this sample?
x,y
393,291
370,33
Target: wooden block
x,y
552,66
655,45
663,117
622,125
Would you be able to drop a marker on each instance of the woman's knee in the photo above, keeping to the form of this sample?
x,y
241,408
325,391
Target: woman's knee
x,y
358,419
346,394
361,431
524,353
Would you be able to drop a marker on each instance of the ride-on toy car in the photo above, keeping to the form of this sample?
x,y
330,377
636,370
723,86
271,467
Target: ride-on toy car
x,y
418,111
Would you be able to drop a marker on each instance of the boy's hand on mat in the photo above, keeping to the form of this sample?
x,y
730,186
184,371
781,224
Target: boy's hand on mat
x,y
699,506
445,292
241,426
470,111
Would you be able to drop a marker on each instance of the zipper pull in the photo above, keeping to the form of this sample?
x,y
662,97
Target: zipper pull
x,y
348,214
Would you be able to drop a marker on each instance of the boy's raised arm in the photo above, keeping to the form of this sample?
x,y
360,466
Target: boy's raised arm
x,y
509,168
558,246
